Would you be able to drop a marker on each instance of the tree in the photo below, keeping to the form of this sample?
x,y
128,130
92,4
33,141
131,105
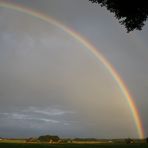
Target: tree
x,y
130,13
48,138
129,141
146,140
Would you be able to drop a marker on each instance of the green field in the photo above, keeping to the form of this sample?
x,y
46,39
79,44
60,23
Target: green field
x,y
25,145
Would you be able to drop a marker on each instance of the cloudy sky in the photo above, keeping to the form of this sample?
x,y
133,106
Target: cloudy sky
x,y
51,84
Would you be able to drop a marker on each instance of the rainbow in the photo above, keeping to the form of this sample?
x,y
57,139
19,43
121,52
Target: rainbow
x,y
93,50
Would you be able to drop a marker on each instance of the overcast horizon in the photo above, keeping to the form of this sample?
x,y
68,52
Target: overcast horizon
x,y
50,83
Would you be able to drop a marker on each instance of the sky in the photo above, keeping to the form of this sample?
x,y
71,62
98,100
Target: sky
x,y
50,83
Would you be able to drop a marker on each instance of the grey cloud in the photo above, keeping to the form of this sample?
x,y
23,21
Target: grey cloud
x,y
19,116
50,111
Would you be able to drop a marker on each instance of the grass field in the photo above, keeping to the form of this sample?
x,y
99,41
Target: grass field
x,y
26,145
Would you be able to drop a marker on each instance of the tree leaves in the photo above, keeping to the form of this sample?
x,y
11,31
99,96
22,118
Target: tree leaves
x,y
132,14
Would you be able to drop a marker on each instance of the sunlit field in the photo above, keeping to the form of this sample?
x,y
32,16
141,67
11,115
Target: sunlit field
x,y
103,144
24,145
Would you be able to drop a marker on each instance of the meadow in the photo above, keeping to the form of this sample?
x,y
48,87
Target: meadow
x,y
39,145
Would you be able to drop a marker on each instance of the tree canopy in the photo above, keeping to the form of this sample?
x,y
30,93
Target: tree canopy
x,y
47,138
130,13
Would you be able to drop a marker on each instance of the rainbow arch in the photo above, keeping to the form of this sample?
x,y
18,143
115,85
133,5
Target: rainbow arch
x,y
93,50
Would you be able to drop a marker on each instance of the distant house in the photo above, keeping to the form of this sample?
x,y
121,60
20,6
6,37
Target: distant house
x,y
31,140
110,141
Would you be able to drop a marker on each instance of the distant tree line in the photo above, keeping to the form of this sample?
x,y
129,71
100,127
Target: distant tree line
x,y
85,139
56,139
44,138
